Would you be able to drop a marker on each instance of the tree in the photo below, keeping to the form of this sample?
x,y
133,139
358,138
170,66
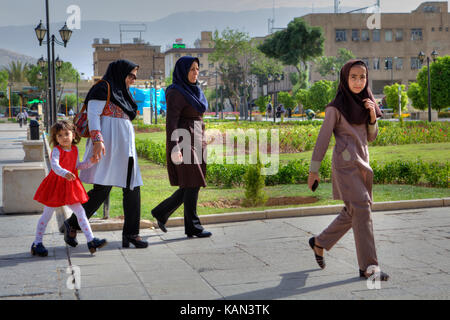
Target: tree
x,y
391,93
415,96
320,94
235,55
302,97
262,103
287,100
440,82
17,71
332,65
66,73
295,45
4,76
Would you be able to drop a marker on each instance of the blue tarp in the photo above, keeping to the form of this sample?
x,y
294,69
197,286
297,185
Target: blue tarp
x,y
145,98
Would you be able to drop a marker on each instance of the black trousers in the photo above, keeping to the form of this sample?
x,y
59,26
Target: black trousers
x,y
188,197
131,204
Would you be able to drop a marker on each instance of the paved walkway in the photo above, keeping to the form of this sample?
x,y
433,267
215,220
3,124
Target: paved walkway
x,y
263,259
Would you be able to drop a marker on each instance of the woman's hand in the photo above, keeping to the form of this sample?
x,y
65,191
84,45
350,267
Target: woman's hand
x,y
70,176
311,178
98,151
177,157
370,105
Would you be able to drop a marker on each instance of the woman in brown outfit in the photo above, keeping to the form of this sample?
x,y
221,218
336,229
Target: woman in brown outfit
x,y
352,117
186,157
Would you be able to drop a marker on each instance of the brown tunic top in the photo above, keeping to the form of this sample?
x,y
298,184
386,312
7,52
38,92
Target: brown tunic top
x,y
352,175
189,139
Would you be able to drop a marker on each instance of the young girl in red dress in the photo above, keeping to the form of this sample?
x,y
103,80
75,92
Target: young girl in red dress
x,y
62,187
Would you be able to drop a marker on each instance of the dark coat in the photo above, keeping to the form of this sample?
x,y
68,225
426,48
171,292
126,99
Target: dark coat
x,y
181,115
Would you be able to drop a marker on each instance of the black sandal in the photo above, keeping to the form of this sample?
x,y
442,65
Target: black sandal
x,y
320,260
380,275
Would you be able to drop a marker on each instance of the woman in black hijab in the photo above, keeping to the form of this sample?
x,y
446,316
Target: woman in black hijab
x,y
112,141
186,157
352,118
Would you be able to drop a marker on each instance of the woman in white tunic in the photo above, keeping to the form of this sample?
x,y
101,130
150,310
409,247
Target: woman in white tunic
x,y
113,142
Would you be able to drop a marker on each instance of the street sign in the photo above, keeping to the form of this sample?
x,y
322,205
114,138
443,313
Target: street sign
x,y
179,46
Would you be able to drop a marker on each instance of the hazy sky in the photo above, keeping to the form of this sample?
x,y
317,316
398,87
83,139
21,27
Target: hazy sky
x,y
25,12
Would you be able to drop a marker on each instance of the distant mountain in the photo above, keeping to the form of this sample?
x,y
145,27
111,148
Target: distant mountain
x,y
163,32
7,56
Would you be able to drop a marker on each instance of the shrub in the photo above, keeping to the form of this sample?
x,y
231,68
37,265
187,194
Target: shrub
x,y
254,186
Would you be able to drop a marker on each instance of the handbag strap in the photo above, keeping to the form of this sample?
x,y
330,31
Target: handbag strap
x,y
107,97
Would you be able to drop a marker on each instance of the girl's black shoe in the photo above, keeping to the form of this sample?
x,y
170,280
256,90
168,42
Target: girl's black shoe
x,y
96,244
39,250
134,239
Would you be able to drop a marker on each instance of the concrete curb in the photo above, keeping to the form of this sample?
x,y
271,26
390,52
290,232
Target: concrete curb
x,y
117,224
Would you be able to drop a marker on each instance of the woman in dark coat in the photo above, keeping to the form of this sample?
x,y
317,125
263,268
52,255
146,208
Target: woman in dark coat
x,y
185,147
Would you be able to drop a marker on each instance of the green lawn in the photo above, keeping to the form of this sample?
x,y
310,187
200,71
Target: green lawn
x,y
427,152
156,184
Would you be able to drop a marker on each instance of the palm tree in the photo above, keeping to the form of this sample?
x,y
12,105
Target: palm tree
x,y
17,71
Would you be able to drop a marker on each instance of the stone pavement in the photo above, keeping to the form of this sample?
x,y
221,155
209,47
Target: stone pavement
x,y
262,259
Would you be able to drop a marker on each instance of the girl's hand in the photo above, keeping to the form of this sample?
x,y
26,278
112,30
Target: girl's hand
x,y
94,160
370,105
70,176
99,151
311,178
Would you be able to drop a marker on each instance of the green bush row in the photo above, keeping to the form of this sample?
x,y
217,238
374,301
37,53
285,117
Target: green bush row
x,y
155,152
295,172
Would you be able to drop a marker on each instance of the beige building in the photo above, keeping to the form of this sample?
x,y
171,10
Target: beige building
x,y
202,51
148,57
391,52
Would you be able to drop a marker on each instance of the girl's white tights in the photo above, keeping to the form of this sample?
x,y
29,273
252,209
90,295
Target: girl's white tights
x,y
77,208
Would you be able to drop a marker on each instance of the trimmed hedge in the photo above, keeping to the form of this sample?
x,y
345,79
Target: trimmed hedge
x,y
228,175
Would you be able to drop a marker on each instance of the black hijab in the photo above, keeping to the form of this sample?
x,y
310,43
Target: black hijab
x,y
120,95
191,91
349,104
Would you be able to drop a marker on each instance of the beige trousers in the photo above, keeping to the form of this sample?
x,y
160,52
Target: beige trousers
x,y
355,215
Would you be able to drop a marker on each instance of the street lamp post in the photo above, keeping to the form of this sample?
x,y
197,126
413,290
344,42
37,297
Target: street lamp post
x,y
65,34
274,78
10,97
421,56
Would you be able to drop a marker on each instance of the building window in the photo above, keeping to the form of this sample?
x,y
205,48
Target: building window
x,y
376,35
211,65
366,61
399,35
199,55
341,35
432,29
415,63
177,55
388,63
416,34
365,35
440,28
355,35
399,64
388,35
376,63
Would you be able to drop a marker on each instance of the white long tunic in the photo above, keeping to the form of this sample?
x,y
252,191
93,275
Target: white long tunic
x,y
119,140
